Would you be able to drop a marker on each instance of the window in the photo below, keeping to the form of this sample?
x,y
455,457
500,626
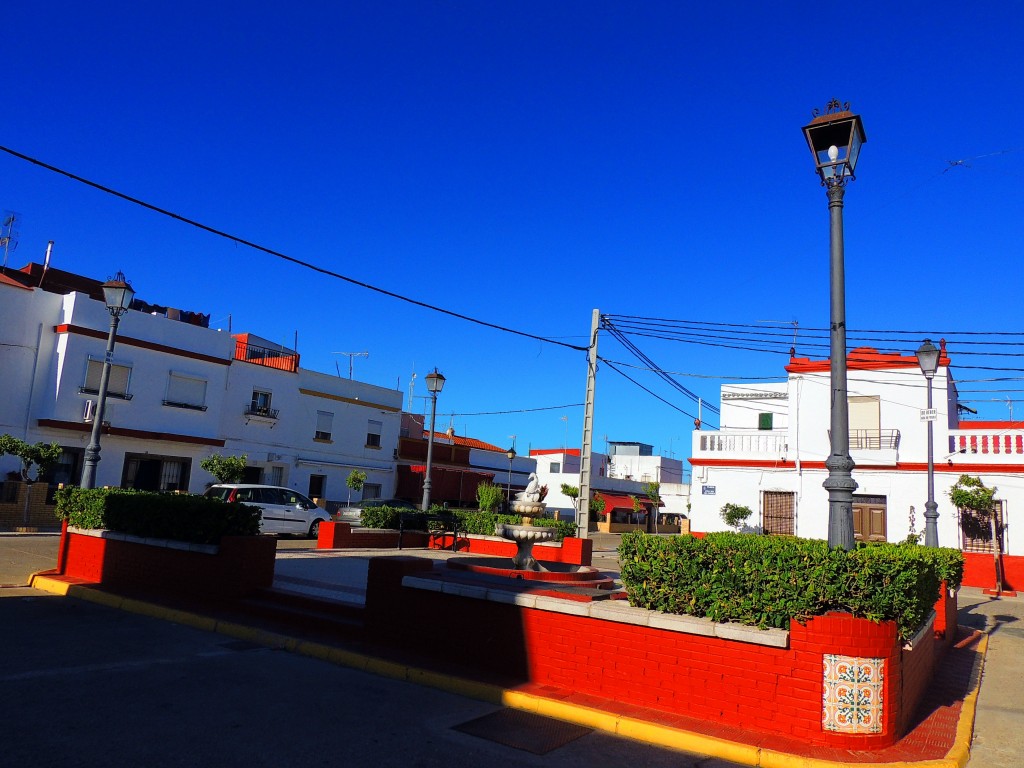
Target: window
x,y
555,467
976,529
324,424
117,385
260,404
373,430
371,490
276,476
184,391
779,513
764,420
146,472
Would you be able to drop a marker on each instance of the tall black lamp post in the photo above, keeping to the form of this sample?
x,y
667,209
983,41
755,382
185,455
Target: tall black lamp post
x,y
835,139
511,453
928,359
435,383
117,294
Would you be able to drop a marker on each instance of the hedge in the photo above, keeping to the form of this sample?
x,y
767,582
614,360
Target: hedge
x,y
767,581
178,517
470,521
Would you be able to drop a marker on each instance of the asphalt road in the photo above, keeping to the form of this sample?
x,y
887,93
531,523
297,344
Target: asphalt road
x,y
86,685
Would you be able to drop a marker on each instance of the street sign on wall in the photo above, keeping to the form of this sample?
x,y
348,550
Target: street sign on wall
x,y
707,490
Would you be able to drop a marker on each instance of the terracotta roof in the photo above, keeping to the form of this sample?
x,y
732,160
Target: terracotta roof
x,y
468,442
11,281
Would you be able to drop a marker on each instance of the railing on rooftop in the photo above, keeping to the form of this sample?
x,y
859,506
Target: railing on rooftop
x,y
271,358
1002,442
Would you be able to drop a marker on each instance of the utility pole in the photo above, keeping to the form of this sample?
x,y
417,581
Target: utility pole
x,y
351,355
583,513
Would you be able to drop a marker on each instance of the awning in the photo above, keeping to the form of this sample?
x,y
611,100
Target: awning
x,y
622,501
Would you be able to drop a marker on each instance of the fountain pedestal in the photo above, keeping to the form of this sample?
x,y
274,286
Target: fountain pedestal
x,y
524,536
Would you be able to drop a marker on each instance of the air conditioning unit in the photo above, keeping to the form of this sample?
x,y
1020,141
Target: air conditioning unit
x,y
90,409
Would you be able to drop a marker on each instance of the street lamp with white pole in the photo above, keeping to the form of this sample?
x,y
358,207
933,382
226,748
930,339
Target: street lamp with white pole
x,y
117,294
928,359
435,383
835,139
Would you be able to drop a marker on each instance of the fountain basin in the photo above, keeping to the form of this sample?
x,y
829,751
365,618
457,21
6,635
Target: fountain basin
x,y
525,536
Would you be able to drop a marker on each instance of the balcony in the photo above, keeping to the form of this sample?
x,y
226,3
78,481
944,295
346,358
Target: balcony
x,y
873,446
280,359
260,413
764,445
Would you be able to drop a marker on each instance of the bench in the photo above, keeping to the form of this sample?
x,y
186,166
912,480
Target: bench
x,y
445,522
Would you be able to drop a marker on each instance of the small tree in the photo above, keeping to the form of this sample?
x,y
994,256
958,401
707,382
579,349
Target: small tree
x,y
226,469
35,461
653,491
597,504
489,496
735,515
355,481
977,511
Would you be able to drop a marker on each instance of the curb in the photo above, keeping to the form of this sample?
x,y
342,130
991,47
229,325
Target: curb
x,y
599,720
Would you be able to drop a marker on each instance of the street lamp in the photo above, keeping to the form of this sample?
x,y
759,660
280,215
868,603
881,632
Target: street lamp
x,y
928,359
511,453
435,383
117,294
835,139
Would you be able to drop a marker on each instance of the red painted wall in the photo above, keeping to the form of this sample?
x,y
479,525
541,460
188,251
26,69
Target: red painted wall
x,y
771,690
243,565
341,536
980,571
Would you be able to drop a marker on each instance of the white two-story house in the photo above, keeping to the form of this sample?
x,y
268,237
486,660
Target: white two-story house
x,y
770,455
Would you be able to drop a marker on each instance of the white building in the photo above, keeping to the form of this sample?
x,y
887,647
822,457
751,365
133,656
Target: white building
x,y
770,454
621,473
178,392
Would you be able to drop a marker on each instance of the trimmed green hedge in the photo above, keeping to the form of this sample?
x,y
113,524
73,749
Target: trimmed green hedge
x,y
471,521
179,517
766,581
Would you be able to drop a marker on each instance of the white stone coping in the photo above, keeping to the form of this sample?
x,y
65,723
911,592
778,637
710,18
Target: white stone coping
x,y
184,546
928,626
618,611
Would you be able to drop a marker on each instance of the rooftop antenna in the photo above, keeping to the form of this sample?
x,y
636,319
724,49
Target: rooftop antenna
x,y
412,386
351,355
9,234
794,323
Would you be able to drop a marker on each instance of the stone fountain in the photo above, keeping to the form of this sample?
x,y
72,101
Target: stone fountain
x,y
528,504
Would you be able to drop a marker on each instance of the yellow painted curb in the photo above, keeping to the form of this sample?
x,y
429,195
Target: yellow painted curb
x,y
960,752
673,738
46,584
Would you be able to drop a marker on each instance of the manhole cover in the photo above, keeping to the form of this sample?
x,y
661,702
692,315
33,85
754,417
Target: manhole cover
x,y
523,730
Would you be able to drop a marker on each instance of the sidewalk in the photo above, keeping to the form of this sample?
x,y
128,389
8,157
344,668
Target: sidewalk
x,y
940,737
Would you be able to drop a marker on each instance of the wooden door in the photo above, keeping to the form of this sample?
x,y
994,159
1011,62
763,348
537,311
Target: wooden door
x,y
869,522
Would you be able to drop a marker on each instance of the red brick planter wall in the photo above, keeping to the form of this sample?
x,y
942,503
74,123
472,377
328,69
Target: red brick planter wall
x,y
341,536
759,687
241,564
945,617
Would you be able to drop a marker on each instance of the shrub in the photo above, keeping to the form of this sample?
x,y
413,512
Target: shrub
x,y
768,581
470,521
179,517
226,469
489,496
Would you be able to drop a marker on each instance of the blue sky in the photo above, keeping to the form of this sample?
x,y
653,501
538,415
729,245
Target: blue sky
x,y
524,163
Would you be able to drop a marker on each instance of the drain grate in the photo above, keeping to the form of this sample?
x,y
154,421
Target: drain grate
x,y
523,730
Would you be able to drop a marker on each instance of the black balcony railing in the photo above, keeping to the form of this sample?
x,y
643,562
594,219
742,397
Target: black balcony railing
x,y
263,411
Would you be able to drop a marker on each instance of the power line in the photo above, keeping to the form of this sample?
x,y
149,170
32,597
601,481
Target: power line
x,y
278,254
521,410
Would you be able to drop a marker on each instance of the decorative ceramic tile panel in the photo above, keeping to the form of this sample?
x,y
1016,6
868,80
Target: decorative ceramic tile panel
x,y
852,699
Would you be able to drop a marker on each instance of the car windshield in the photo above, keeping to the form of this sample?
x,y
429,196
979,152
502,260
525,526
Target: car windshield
x,y
218,493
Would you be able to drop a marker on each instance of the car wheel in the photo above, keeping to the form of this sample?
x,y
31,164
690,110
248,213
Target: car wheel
x,y
314,529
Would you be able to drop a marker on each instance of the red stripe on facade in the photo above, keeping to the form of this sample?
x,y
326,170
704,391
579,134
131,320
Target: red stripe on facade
x,y
94,334
141,434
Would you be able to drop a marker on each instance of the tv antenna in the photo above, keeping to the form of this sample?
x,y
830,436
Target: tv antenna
x,y
350,355
794,323
8,233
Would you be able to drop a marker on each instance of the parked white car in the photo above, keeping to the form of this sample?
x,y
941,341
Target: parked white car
x,y
283,510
